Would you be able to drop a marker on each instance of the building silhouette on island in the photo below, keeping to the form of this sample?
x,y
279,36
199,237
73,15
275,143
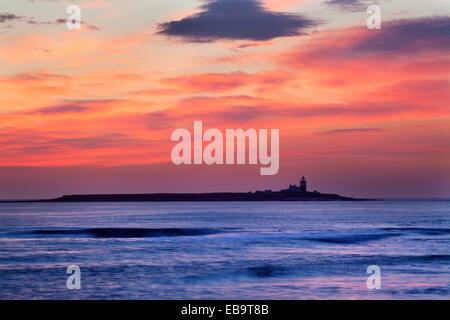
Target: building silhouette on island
x,y
299,188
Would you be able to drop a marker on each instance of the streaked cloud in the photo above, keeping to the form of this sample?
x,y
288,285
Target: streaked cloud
x,y
406,37
7,17
350,5
352,130
60,22
65,108
220,82
10,17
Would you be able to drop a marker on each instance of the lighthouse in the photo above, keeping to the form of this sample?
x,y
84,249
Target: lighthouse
x,y
303,185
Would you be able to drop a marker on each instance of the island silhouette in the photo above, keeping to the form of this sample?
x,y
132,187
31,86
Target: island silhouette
x,y
293,193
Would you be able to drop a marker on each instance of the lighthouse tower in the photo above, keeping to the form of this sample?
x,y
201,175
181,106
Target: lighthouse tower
x,y
303,185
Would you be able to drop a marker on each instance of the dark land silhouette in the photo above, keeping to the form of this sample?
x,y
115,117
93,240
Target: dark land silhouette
x,y
293,193
218,196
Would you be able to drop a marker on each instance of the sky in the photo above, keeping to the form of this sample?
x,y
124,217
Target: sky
x,y
361,112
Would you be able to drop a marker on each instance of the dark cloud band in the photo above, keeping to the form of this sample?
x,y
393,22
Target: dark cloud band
x,y
5,17
236,20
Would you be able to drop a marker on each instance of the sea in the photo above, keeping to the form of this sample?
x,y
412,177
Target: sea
x,y
390,249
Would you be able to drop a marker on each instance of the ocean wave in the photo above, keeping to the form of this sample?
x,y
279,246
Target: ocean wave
x,y
267,271
128,232
350,238
421,230
429,258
